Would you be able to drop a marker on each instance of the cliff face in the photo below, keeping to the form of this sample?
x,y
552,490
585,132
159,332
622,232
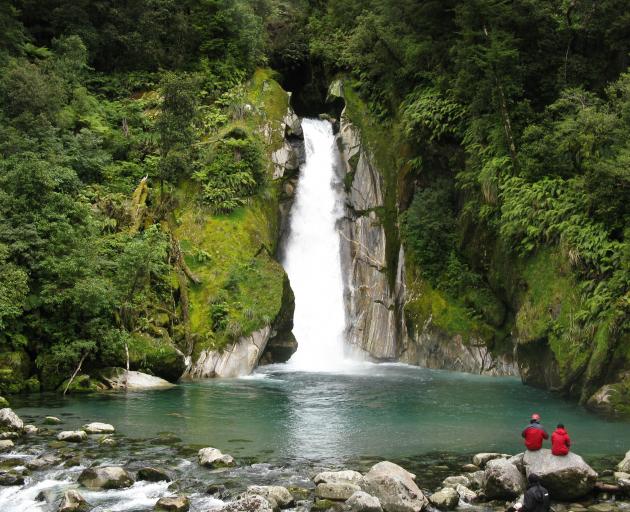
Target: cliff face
x,y
380,322
241,277
394,314
372,305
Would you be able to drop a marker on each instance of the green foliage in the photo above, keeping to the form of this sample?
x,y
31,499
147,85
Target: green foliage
x,y
231,173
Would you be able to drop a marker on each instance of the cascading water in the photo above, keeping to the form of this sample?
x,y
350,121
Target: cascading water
x,y
312,258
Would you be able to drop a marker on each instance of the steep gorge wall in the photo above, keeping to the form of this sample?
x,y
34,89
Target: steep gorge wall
x,y
381,323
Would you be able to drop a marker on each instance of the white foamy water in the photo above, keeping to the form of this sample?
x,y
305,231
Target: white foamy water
x,y
312,258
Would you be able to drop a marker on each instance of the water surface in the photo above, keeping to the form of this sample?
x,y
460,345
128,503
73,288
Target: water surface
x,y
380,411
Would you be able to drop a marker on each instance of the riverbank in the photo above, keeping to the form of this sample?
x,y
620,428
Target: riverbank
x,y
39,470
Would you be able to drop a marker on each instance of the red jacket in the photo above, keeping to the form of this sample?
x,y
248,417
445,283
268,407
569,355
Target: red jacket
x,y
534,434
560,442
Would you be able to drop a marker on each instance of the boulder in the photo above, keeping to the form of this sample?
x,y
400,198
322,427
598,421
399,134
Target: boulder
x,y
395,488
99,428
361,501
43,461
337,492
465,494
107,441
172,504
10,478
470,468
214,458
624,465
276,495
567,477
153,475
72,501
248,503
481,459
106,477
118,379
10,421
503,480
517,460
30,430
339,477
6,445
445,499
620,475
476,480
454,481
72,436
51,420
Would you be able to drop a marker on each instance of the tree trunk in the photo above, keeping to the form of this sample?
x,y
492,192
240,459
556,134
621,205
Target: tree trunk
x,y
77,370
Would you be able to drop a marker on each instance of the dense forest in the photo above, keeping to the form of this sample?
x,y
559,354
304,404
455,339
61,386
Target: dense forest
x,y
512,166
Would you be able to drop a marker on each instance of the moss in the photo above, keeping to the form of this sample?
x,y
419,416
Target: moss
x,y
232,254
80,384
547,309
447,314
15,368
3,402
155,356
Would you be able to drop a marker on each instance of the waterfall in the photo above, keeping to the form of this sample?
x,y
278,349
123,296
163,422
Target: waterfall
x,y
312,258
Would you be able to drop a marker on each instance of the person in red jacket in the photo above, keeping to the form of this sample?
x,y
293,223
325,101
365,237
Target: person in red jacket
x,y
534,434
560,441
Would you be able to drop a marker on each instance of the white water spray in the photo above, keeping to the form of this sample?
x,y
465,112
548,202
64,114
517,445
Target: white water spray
x,y
312,258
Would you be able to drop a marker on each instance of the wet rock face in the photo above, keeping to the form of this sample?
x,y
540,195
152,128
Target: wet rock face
x,y
566,478
395,488
108,477
72,501
372,306
235,361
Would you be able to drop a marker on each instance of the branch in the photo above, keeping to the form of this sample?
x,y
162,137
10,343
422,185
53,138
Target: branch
x,y
75,373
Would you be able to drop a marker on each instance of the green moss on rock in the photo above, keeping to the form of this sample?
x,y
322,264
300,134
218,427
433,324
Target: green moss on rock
x,y
156,356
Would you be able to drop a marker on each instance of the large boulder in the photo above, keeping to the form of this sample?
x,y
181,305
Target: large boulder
x,y
248,503
72,436
9,420
339,477
361,501
395,488
72,501
214,458
118,379
172,504
503,480
337,492
567,477
43,461
445,499
624,465
276,495
107,477
99,428
6,445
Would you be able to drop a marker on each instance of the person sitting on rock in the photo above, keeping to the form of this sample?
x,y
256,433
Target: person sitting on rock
x,y
536,497
560,441
534,434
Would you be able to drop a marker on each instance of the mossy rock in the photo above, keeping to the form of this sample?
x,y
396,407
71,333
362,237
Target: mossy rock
x,y
157,357
3,402
80,384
